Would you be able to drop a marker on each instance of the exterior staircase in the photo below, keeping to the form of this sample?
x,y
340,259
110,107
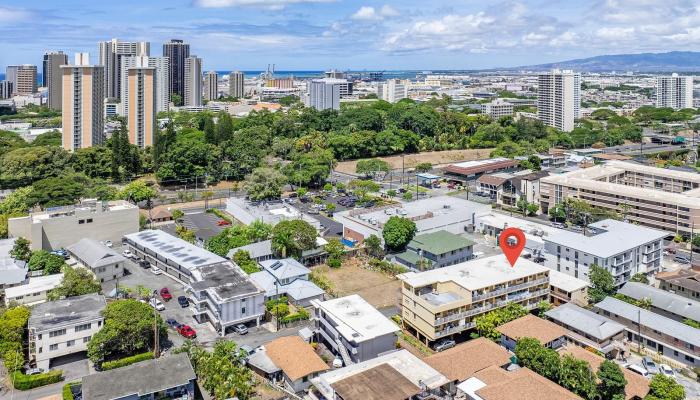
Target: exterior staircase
x,y
343,352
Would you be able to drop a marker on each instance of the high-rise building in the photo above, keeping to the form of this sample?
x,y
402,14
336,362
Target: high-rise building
x,y
392,90
140,103
24,79
193,81
335,74
51,77
559,98
11,74
83,103
674,91
177,51
236,82
162,87
111,54
5,89
211,86
325,93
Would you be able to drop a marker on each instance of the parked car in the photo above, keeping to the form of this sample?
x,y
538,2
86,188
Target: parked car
x,y
127,253
157,304
445,344
187,331
144,264
666,370
682,259
155,270
240,329
650,365
222,222
337,363
34,371
182,300
172,323
165,294
638,369
62,253
107,243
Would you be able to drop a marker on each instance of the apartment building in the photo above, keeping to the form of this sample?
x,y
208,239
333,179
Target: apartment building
x,y
63,327
83,104
655,197
683,282
63,226
663,335
565,288
353,329
393,90
325,93
622,248
587,329
211,86
436,250
559,98
497,109
193,82
103,261
674,91
51,76
25,82
444,302
176,51
111,57
668,304
34,291
236,84
140,105
160,81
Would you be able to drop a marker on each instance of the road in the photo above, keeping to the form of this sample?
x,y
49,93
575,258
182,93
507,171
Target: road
x,y
647,148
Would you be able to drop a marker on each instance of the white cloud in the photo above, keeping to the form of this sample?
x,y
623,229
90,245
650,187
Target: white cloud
x,y
268,4
615,33
368,13
389,11
11,15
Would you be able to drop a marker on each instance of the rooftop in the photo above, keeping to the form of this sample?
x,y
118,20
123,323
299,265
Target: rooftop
x,y
255,250
585,321
139,379
248,212
480,166
534,327
357,320
285,268
174,249
608,238
85,206
663,300
70,311
298,289
440,242
666,326
295,357
462,361
224,281
34,285
382,382
94,253
566,282
476,274
12,271
688,279
521,383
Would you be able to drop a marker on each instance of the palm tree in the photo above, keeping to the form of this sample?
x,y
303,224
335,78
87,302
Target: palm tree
x,y
206,196
282,241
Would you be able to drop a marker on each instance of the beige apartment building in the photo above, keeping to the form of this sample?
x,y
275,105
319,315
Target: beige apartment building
x,y
83,104
659,198
141,109
440,303
26,79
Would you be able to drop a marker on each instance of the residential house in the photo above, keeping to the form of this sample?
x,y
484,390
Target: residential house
x,y
436,250
662,302
288,278
104,262
12,272
494,383
683,282
34,291
588,329
566,288
297,360
259,251
549,334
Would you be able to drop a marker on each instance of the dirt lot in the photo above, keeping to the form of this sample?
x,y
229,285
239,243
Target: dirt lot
x,y
436,158
380,290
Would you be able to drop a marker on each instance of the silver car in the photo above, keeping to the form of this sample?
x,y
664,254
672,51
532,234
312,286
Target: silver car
x,y
650,365
445,344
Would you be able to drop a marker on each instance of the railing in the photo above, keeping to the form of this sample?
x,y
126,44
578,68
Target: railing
x,y
508,289
454,329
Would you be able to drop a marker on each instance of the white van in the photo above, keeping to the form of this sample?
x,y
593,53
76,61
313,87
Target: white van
x,y
638,369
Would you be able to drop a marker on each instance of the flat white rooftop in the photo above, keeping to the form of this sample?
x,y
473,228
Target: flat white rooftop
x,y
357,320
35,285
176,250
476,274
566,282
478,163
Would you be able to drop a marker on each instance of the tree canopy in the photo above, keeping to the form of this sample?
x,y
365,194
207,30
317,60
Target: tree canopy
x,y
397,232
290,238
602,283
75,282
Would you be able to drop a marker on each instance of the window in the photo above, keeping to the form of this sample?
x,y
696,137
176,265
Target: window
x,y
70,343
57,333
83,327
53,347
81,221
89,220
86,339
243,310
689,358
41,349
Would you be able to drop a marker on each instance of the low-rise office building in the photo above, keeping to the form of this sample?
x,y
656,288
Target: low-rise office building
x,y
567,289
683,282
247,212
472,170
671,338
662,302
353,329
443,302
622,248
549,334
588,329
104,262
436,250
61,227
287,278
497,108
34,291
170,377
63,327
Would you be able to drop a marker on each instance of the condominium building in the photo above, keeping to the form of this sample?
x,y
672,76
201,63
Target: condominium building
x,y
111,56
11,74
559,98
160,77
392,90
655,197
60,227
140,99
105,263
24,79
82,104
325,93
63,327
674,91
497,109
444,302
193,82
236,87
211,86
6,89
176,51
52,79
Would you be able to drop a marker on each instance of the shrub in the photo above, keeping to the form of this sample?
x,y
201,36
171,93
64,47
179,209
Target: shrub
x,y
68,390
123,362
27,382
300,315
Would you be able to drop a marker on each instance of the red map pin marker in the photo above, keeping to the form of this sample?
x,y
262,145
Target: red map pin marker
x,y
510,249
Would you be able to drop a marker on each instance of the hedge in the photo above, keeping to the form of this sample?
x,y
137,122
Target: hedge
x,y
123,362
26,382
302,314
67,390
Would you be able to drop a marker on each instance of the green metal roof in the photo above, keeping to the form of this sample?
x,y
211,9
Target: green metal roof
x,y
440,242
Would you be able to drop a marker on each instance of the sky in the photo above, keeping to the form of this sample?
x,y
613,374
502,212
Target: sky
x,y
354,34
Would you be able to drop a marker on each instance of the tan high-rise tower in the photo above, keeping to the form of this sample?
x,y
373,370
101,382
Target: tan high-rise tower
x,y
140,104
83,103
52,77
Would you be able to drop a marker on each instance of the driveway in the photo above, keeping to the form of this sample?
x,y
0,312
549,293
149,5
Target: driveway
x,y
257,336
74,368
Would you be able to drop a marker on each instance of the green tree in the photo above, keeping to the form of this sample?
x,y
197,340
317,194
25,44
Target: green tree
x,y
23,166
398,232
50,138
264,183
542,307
577,376
602,284
185,234
542,360
290,238
663,387
17,202
210,135
612,381
43,260
640,277
177,214
424,167
59,191
372,168
138,191
486,324
335,250
247,264
75,282
176,99
373,246
20,250
127,330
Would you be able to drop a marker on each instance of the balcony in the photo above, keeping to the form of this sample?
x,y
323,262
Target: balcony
x,y
508,289
454,329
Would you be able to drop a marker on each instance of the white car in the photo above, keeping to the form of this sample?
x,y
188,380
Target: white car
x,y
108,243
155,270
666,370
157,304
127,253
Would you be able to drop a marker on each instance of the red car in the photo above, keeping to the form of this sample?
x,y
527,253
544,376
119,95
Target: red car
x,y
165,294
223,222
187,331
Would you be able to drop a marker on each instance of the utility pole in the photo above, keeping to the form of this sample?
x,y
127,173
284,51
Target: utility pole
x,y
156,334
403,168
639,330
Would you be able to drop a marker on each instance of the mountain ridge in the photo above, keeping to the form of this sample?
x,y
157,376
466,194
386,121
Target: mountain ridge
x,y
672,61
